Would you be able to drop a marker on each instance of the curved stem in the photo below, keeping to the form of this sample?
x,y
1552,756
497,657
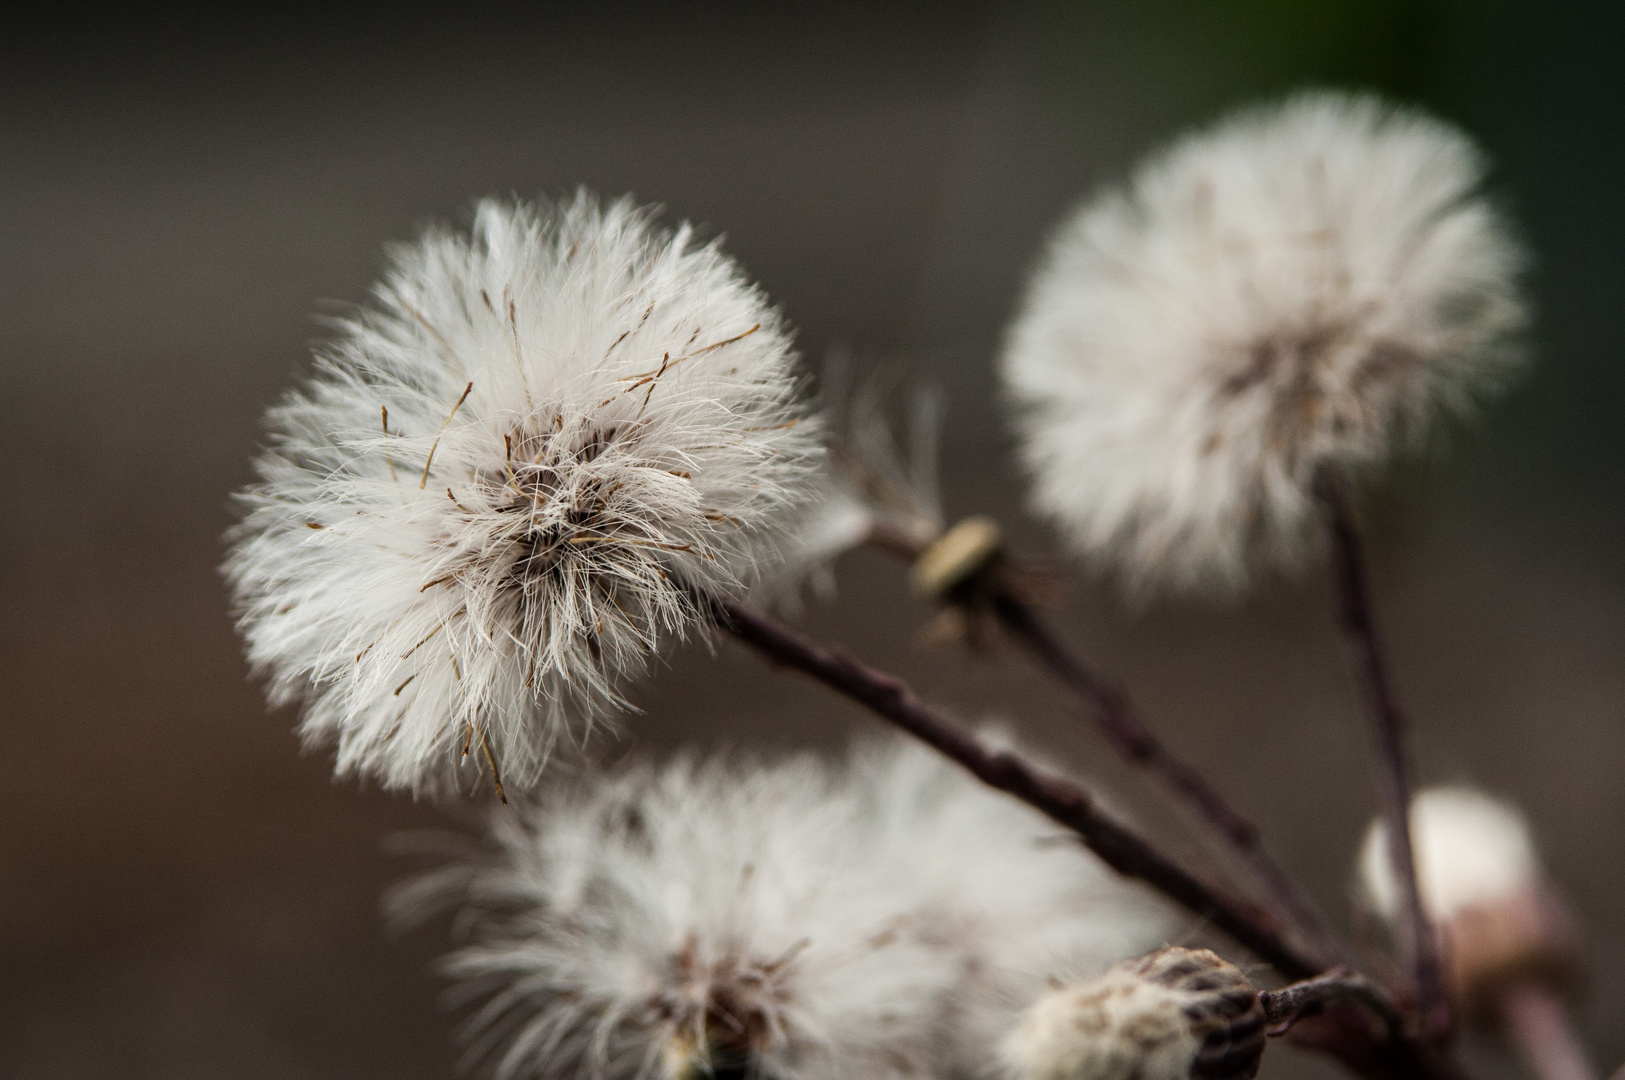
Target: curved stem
x,y
1390,1055
1120,722
1123,728
1418,942
1284,1007
1054,796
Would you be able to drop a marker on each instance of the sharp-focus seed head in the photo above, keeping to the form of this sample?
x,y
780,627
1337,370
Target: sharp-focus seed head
x,y
1300,287
798,920
1499,919
1174,1014
477,519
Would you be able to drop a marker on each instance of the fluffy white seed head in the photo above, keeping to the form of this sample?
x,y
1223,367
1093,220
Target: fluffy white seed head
x,y
879,917
1472,850
1172,1015
1300,286
476,520
1499,921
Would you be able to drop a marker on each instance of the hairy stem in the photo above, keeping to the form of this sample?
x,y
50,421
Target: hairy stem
x,y
1417,941
1120,722
1537,1021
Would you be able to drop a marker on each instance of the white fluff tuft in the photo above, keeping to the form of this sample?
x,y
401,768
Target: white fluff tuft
x,y
1472,851
1081,1032
880,475
1166,1016
882,917
583,413
1302,285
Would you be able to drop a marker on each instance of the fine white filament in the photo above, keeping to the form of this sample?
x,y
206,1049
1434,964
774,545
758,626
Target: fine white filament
x,y
885,916
1301,286
482,513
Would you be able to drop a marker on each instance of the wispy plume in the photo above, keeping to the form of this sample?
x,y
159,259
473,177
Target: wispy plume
x,y
1301,286
880,477
475,521
880,916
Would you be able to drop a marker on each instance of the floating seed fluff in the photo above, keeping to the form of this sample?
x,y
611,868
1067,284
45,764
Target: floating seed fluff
x,y
1301,286
477,519
885,917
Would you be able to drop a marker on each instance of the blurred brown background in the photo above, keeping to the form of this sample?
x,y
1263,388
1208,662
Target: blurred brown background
x,y
183,895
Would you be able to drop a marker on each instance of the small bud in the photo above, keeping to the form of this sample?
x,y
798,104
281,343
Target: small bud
x,y
1499,920
956,556
1169,1015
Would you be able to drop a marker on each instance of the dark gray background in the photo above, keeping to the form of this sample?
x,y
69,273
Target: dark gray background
x,y
183,895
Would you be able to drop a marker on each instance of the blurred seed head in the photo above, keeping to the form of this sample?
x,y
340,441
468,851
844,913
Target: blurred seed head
x,y
880,478
879,916
1301,286
1500,920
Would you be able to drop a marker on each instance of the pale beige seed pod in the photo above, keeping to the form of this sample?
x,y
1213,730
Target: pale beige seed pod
x,y
1174,1014
1500,921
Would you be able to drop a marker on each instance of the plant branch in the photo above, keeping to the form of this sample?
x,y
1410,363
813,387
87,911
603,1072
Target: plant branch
x,y
1119,721
1536,1020
1284,1007
1418,943
1060,799
1390,1055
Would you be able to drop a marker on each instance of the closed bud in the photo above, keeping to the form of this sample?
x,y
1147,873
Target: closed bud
x,y
957,556
1169,1015
1499,920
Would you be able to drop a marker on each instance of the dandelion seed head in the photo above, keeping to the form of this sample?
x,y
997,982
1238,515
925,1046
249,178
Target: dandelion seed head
x,y
878,916
1301,286
476,521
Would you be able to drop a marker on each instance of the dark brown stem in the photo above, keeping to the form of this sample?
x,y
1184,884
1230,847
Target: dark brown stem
x,y
1284,1007
1058,798
1417,941
1390,1055
1537,1021
1123,728
1137,744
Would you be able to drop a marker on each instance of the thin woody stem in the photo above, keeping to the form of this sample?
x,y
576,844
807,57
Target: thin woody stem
x,y
1283,1007
1538,1023
1390,1055
1056,797
1118,720
1417,940
1123,728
